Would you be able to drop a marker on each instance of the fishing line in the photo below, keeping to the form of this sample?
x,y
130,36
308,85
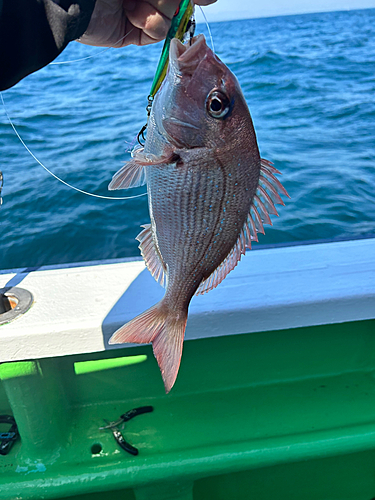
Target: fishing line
x,y
47,169
94,55
55,176
208,29
82,58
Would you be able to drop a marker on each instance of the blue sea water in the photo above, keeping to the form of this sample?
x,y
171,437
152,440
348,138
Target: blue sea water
x,y
309,81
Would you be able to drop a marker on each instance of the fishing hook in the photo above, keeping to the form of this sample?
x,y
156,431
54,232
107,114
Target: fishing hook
x,y
150,100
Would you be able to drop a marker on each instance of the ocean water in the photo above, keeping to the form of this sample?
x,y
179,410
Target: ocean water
x,y
309,81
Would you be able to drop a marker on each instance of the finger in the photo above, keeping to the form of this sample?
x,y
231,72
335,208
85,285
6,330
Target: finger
x,y
166,8
135,36
151,21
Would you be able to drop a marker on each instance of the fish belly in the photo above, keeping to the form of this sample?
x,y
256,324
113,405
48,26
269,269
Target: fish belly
x,y
197,213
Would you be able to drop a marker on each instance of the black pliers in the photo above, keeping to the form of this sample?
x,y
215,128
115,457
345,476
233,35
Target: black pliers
x,y
113,426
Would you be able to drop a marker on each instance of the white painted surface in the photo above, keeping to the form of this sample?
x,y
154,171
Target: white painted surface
x,y
76,309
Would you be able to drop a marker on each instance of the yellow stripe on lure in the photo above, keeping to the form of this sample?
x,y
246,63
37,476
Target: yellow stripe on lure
x,y
178,29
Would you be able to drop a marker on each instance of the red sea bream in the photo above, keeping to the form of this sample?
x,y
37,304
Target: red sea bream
x,y
209,193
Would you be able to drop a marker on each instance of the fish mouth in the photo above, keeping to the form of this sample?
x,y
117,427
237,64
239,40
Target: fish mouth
x,y
185,58
181,123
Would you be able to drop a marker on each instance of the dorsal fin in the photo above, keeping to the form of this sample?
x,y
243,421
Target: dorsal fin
x,y
151,255
266,172
259,215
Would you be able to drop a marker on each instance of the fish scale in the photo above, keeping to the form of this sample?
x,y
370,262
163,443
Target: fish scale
x,y
180,205
204,173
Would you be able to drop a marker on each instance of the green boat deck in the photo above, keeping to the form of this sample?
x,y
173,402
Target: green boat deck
x,y
285,414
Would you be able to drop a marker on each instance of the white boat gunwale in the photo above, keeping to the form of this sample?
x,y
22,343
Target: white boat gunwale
x,y
77,307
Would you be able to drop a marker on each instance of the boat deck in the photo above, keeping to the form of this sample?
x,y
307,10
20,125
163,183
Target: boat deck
x,y
258,410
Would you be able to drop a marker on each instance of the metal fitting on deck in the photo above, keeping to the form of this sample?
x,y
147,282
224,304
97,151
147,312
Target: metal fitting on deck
x,y
13,303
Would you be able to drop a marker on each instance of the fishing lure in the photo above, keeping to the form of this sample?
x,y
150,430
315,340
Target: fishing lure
x,y
183,25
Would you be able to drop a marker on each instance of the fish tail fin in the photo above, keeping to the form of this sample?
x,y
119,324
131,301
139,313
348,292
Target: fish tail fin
x,y
165,329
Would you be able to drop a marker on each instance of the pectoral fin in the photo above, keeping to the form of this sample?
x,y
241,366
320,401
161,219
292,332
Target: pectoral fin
x,y
133,173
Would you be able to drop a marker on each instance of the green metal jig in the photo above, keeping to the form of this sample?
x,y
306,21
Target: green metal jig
x,y
182,23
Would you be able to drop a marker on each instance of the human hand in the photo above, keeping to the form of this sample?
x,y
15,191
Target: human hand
x,y
116,23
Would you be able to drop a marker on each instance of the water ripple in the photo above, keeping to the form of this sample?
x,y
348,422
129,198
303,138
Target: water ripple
x,y
309,81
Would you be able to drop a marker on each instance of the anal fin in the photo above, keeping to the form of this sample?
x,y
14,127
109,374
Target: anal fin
x,y
151,255
228,264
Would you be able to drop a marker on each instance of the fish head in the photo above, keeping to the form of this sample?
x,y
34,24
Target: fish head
x,y
200,100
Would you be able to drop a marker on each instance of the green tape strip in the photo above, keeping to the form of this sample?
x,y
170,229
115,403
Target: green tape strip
x,y
18,369
81,367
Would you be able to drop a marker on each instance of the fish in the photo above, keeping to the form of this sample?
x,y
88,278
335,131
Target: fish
x,y
209,193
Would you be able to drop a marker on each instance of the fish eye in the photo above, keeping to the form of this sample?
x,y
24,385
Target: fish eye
x,y
217,104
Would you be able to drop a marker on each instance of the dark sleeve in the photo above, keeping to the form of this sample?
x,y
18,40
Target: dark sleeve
x,y
34,32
